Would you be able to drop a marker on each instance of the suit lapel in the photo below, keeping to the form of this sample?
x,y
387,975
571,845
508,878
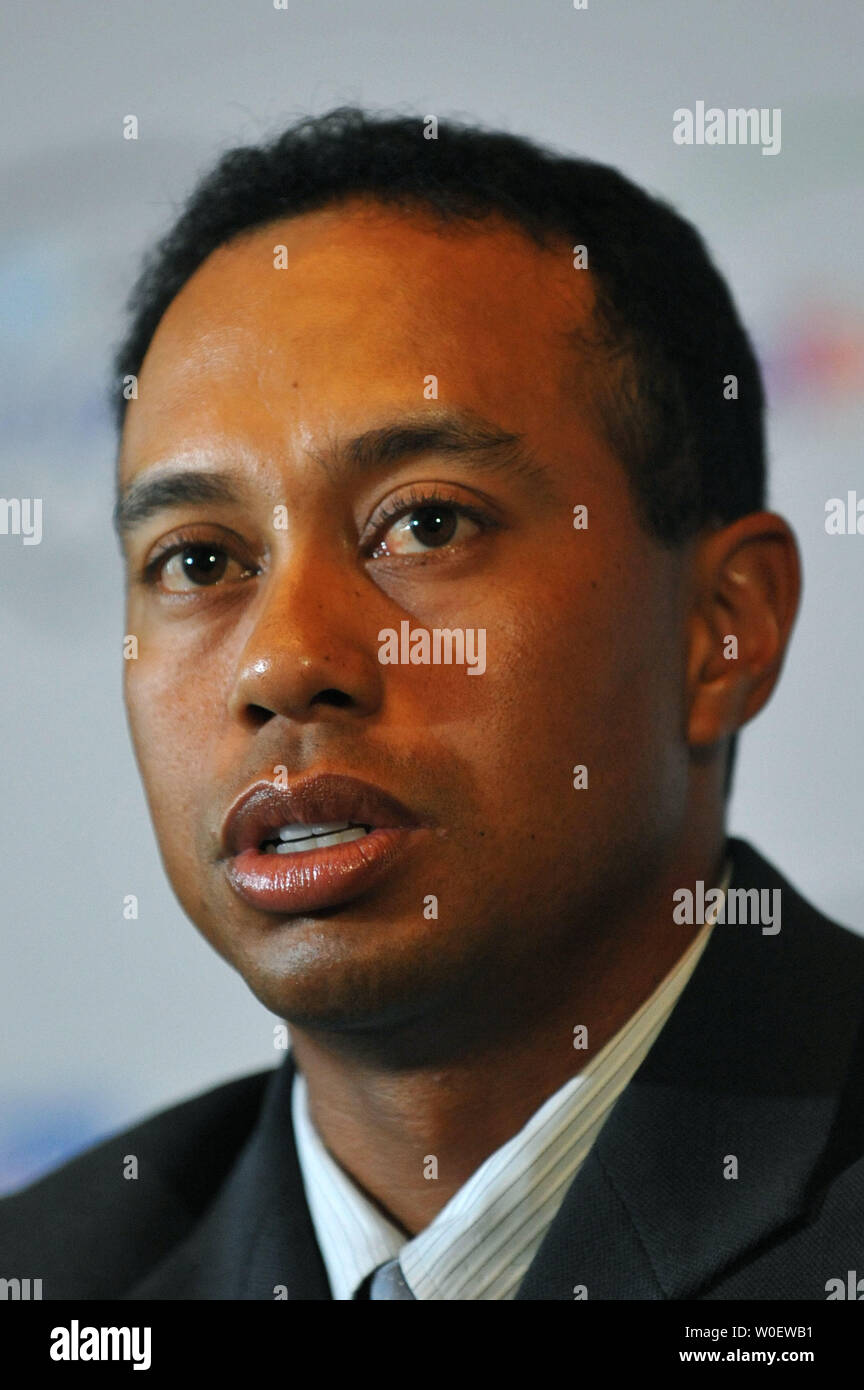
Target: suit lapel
x,y
257,1240
744,1073
743,1076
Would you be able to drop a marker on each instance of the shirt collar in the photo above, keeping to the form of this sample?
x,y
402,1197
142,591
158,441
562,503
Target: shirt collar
x,y
481,1243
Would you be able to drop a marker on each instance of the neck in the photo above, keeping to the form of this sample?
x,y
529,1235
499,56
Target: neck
x,y
383,1119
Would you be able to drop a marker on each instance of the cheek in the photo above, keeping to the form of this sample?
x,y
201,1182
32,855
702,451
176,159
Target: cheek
x,y
167,699
581,675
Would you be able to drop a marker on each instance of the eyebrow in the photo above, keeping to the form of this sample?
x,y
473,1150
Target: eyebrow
x,y
480,443
151,495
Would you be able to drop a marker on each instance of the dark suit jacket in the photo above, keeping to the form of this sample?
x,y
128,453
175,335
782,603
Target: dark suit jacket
x,y
762,1060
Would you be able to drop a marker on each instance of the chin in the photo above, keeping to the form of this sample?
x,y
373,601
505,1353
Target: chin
x,y
343,981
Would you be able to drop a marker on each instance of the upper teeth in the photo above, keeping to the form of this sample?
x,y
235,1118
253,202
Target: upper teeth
x,y
291,839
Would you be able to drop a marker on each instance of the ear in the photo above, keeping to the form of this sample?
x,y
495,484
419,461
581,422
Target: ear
x,y
746,588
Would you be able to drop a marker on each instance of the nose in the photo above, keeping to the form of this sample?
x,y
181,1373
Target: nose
x,y
312,653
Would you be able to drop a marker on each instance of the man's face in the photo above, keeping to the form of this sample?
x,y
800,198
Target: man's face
x,y
266,656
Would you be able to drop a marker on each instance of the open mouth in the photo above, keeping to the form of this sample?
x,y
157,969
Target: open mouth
x,y
297,838
316,844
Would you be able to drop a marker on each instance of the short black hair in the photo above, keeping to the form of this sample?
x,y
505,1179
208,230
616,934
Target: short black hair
x,y
691,442
694,452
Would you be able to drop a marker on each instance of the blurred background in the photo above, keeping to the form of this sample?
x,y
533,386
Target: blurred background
x,y
104,1019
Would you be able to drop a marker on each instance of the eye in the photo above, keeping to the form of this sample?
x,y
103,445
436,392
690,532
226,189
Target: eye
x,y
189,565
415,526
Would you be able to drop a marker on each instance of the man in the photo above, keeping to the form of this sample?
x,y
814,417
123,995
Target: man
x,y
441,493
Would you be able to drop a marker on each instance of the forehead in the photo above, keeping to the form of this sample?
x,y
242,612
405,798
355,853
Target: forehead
x,y
312,323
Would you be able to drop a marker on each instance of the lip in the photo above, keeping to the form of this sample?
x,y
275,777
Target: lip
x,y
314,879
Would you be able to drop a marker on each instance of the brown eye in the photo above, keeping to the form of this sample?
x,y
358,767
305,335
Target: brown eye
x,y
433,526
196,565
427,527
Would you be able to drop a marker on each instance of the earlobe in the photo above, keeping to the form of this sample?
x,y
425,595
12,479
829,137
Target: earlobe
x,y
746,593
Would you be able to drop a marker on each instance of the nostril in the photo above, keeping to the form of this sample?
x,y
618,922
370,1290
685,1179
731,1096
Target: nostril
x,y
337,698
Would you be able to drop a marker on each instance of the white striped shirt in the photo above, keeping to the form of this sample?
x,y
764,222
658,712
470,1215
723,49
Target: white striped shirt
x,y
481,1243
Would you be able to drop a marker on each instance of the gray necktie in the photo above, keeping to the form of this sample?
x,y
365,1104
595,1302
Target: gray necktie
x,y
387,1281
